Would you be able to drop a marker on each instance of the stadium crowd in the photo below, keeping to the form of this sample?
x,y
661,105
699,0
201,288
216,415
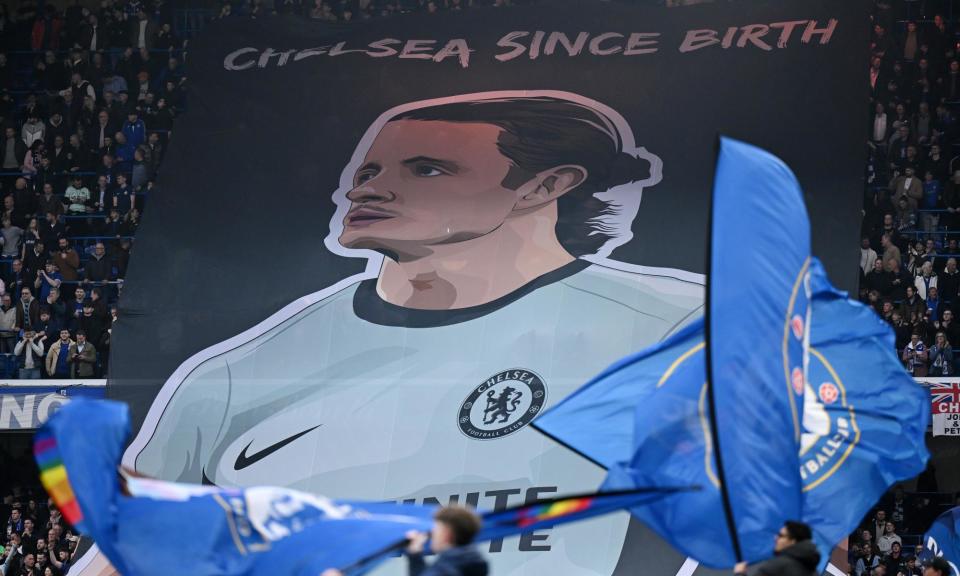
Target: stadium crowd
x,y
36,540
87,102
911,218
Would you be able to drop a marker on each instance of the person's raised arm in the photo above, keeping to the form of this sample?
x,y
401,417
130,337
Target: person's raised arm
x,y
53,559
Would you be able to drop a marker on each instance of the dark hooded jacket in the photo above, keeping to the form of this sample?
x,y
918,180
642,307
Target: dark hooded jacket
x,y
801,559
459,561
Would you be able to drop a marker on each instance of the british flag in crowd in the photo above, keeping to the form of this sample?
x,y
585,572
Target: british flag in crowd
x,y
945,392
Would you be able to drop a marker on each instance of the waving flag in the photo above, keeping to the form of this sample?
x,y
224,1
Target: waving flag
x,y
755,326
864,418
861,421
151,527
168,528
943,540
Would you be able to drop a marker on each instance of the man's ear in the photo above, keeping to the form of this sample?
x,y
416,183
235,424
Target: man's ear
x,y
549,185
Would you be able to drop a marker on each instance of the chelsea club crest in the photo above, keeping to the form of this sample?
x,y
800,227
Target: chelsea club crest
x,y
502,404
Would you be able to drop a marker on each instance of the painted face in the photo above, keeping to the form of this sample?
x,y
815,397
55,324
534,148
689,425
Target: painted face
x,y
426,183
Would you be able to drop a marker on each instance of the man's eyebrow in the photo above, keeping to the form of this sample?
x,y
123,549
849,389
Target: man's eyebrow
x,y
448,165
370,166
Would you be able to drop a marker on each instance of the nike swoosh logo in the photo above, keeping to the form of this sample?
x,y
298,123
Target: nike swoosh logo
x,y
243,460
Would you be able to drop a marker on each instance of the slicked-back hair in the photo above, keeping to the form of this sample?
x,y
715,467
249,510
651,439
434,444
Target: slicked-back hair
x,y
540,133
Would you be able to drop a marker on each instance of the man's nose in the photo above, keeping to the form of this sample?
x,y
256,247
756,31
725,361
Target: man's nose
x,y
370,192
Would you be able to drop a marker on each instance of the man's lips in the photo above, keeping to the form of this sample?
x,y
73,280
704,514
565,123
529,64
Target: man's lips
x,y
363,216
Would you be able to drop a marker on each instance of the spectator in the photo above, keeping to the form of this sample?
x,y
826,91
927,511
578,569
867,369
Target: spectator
x,y
948,282
935,306
10,237
901,329
79,295
912,304
28,310
98,135
925,280
99,307
102,196
907,187
890,250
915,258
143,31
794,554
33,130
887,311
83,357
17,279
98,268
877,279
68,261
49,328
906,215
123,197
58,366
898,280
47,279
941,357
13,203
949,327
931,201
29,350
880,126
91,324
48,202
912,569
8,324
30,237
895,562
52,229
35,259
885,543
915,361
140,171
63,559
938,567
77,196
867,255
929,254
130,223
12,152
134,129
55,304
867,560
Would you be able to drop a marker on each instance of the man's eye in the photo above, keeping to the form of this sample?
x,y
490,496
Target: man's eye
x,y
364,176
427,170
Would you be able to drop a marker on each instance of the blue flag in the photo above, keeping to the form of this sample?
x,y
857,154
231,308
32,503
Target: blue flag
x,y
168,528
151,527
864,416
756,321
798,434
863,423
943,540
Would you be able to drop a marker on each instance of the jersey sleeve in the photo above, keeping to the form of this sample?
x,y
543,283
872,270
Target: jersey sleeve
x,y
186,431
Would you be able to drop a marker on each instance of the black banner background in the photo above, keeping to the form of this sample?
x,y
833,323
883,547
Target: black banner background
x,y
236,230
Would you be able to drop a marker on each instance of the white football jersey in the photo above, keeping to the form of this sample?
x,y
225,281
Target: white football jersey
x,y
357,398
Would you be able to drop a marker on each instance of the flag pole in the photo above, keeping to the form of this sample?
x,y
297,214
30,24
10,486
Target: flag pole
x,y
707,329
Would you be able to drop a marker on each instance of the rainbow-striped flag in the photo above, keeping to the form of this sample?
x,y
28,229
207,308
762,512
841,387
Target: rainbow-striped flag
x,y
554,510
53,476
547,513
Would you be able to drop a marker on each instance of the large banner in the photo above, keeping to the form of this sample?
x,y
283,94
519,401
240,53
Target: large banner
x,y
383,249
25,405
